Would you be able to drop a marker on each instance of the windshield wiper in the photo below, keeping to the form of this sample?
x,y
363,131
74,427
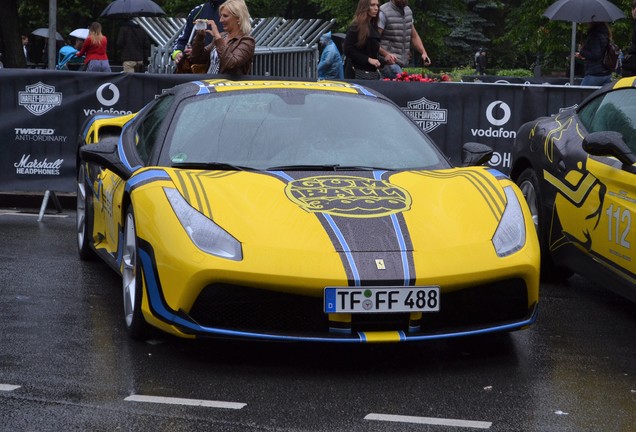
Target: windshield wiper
x,y
326,167
223,166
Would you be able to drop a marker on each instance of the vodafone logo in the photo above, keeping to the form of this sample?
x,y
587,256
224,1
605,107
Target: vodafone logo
x,y
107,94
498,113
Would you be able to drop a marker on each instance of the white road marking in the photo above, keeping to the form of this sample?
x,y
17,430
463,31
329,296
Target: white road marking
x,y
180,401
429,421
21,213
8,387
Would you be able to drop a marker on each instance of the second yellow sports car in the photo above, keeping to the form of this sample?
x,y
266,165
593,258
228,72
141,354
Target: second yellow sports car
x,y
577,169
300,211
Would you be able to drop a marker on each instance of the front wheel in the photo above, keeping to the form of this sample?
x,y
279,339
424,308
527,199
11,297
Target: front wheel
x,y
84,221
131,280
529,185
528,182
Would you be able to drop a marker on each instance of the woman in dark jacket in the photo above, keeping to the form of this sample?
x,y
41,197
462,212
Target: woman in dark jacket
x,y
598,37
362,42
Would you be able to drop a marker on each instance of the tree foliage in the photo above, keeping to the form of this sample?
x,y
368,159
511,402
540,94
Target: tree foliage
x,y
514,32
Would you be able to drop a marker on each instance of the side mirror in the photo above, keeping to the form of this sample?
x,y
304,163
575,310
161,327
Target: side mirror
x,y
105,154
609,143
474,154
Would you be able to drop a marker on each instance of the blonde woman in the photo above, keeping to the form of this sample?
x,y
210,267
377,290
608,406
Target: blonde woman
x,y
94,48
232,51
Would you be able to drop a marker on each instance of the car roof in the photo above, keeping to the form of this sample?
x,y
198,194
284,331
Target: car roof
x,y
620,84
224,85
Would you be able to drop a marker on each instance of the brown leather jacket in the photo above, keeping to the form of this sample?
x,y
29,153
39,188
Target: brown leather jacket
x,y
235,55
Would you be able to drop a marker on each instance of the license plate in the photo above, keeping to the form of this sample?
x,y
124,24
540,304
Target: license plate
x,y
381,299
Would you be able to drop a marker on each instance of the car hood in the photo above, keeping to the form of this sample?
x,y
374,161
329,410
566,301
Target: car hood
x,y
361,211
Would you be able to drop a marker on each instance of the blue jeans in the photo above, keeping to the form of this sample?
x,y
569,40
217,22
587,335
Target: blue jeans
x,y
98,66
390,71
596,80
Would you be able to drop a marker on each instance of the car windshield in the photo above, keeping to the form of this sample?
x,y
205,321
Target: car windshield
x,y
296,129
614,111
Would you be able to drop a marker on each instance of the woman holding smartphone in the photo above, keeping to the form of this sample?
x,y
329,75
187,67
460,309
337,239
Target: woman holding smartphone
x,y
232,51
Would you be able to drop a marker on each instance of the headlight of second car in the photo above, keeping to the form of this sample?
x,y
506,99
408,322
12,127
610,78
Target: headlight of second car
x,y
204,233
511,232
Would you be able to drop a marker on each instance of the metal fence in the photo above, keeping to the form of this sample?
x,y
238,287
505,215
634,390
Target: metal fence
x,y
284,48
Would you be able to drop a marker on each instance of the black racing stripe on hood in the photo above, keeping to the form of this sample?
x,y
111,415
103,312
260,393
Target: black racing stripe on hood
x,y
373,250
489,189
191,186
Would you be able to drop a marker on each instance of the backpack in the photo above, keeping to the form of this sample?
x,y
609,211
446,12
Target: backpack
x,y
610,58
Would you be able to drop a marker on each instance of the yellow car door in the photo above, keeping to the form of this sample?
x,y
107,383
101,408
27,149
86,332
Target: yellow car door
x,y
615,238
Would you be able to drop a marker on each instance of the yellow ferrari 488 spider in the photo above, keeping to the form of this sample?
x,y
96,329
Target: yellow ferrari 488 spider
x,y
300,211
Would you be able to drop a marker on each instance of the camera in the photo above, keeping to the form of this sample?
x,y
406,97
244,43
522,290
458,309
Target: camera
x,y
200,24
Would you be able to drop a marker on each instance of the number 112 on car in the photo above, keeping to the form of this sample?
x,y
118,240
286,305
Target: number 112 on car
x,y
381,299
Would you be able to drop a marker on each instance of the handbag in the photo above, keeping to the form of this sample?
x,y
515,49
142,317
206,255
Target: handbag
x,y
362,74
628,65
610,58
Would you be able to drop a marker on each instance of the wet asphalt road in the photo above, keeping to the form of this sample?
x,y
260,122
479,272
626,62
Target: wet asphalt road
x,y
66,363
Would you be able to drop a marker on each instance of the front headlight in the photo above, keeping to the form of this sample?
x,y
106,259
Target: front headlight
x,y
511,232
204,233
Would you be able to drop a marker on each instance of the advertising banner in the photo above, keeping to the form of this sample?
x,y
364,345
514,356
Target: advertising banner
x,y
455,113
42,112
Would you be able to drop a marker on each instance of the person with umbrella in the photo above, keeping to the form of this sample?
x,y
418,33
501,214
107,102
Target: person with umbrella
x,y
598,38
134,44
94,48
205,11
44,33
583,11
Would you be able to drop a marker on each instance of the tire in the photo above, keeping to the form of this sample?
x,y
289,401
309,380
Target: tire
x,y
528,182
132,287
84,219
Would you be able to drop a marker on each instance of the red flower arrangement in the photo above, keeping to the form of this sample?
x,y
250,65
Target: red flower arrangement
x,y
406,77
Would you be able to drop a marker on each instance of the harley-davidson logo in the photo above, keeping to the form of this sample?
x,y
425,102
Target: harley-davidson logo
x,y
348,196
428,115
39,98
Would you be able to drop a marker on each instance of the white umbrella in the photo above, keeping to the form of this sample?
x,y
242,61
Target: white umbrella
x,y
80,33
582,11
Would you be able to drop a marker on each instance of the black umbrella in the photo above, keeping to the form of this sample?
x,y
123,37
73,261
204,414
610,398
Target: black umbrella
x,y
132,8
44,32
582,11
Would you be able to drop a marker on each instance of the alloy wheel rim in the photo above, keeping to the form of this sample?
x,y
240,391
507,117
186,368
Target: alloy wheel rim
x,y
129,269
81,207
530,194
